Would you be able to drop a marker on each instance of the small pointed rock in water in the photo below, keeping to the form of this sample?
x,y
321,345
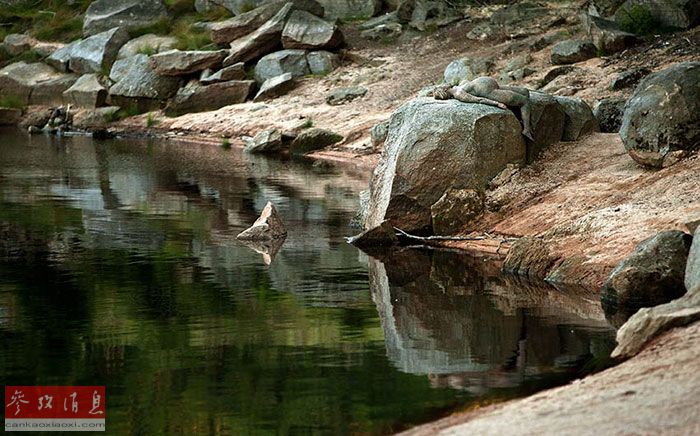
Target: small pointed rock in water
x,y
268,226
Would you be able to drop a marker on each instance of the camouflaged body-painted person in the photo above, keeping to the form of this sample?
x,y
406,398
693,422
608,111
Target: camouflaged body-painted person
x,y
485,90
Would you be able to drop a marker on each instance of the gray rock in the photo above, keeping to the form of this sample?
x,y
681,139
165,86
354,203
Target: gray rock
x,y
345,95
603,8
16,44
180,63
547,119
661,122
285,61
86,92
692,269
608,112
387,18
556,72
60,58
275,86
234,72
679,14
464,69
350,9
34,83
455,211
629,78
379,132
147,44
313,139
96,53
571,51
265,141
579,120
135,79
263,40
606,36
653,274
382,236
306,31
268,226
103,15
199,98
434,146
10,116
322,62
383,32
223,32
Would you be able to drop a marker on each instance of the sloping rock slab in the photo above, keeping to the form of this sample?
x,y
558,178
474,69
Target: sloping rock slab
x,y
180,63
275,86
136,80
281,62
264,40
102,15
268,226
306,31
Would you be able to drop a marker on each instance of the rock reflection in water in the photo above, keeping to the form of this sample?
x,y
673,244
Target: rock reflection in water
x,y
454,318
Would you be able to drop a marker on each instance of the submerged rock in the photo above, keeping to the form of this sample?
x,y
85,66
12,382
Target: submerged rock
x,y
267,227
661,122
382,236
433,146
653,274
102,15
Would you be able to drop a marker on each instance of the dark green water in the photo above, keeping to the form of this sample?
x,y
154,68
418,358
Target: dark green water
x,y
119,266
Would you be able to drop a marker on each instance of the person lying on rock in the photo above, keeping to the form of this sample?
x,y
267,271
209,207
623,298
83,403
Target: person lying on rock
x,y
485,90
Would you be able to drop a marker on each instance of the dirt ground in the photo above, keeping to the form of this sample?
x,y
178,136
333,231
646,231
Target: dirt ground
x,y
653,393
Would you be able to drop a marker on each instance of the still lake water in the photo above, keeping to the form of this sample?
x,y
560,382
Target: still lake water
x,y
119,266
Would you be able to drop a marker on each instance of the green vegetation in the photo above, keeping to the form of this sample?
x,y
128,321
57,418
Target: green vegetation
x,y
638,20
309,123
225,143
148,50
126,112
151,120
11,101
51,20
29,56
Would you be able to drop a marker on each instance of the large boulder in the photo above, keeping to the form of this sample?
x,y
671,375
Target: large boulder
x,y
608,112
571,51
434,146
147,44
137,81
34,83
350,9
547,121
223,32
579,119
265,141
661,122
607,36
86,92
264,39
306,31
285,61
460,70
94,54
103,15
181,63
680,14
199,98
653,274
15,43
